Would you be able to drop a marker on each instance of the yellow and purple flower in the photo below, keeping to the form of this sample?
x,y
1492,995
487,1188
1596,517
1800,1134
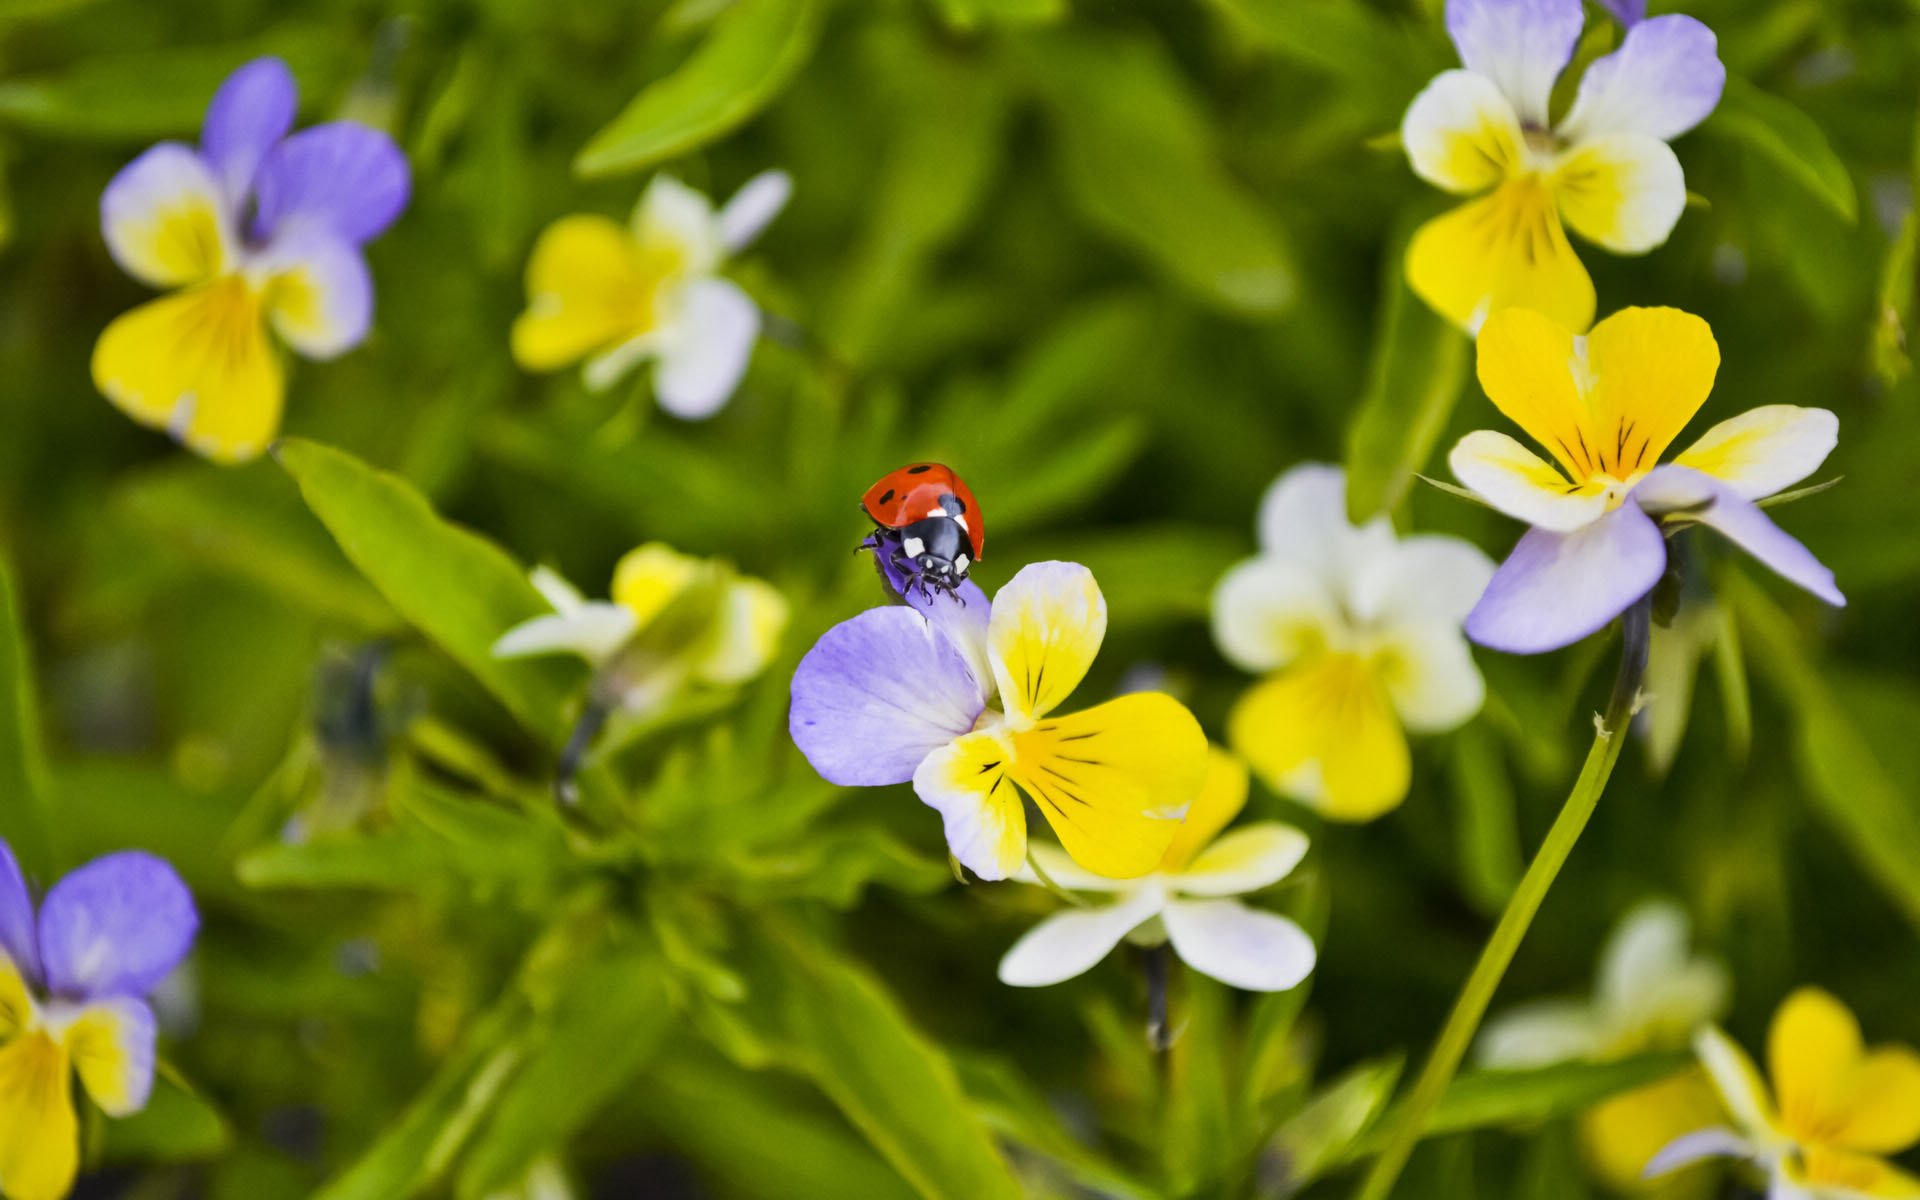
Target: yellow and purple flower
x,y
1604,168
256,229
74,978
1606,407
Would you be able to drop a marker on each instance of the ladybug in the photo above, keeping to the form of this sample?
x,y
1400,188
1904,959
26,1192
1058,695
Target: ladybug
x,y
929,526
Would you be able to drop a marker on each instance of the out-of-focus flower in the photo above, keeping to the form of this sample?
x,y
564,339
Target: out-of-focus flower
x,y
1650,994
1188,900
1357,633
1605,168
256,229
1835,1107
1606,406
909,693
1627,12
618,296
73,985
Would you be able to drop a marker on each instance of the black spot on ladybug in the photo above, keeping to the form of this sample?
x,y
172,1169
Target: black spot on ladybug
x,y
922,469
887,497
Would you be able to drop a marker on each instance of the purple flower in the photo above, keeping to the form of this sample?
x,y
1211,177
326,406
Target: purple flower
x,y
74,978
257,229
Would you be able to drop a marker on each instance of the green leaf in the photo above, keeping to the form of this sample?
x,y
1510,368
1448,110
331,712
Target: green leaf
x,y
25,789
971,14
1346,39
456,587
1332,1119
1137,156
1416,373
1788,139
755,48
175,1126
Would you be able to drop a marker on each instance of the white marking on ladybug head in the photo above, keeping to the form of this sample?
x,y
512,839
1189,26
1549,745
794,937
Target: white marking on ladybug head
x,y
961,563
936,511
961,520
914,547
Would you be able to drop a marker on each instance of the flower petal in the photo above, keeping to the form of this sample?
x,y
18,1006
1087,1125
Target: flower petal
x,y
1522,485
1736,1080
746,635
1461,134
648,577
556,590
1652,369
758,202
1429,674
341,176
1556,588
1677,489
1504,250
111,1044
1303,520
585,292
1526,362
877,694
704,350
1622,1134
17,939
197,364
39,1132
165,221
1539,1033
1115,780
1244,860
1325,734
1423,578
1223,793
1627,12
967,782
1693,1147
1665,78
1650,986
1883,1103
1047,624
1624,191
320,294
116,927
1268,612
1813,1049
676,229
1834,1174
593,631
1765,449
1240,946
16,1000
251,112
1522,45
964,617
1068,943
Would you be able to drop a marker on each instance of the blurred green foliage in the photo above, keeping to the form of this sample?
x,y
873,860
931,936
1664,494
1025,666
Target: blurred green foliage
x,y
1120,264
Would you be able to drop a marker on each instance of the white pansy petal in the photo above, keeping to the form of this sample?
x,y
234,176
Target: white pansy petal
x,y
675,227
1047,624
1521,484
1662,81
1066,873
111,1045
1693,1147
703,355
1426,577
1766,449
1648,947
165,220
1243,860
555,589
1519,44
1736,1080
1556,588
966,782
1623,191
1430,674
758,202
1303,520
747,634
1240,946
1269,611
1460,133
593,631
1538,1034
1068,943
320,294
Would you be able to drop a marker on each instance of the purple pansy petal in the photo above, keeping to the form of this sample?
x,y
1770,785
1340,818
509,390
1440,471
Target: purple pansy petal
x,y
251,112
877,694
1665,78
342,175
115,927
321,301
1701,497
963,617
16,916
1556,588
1521,45
1627,12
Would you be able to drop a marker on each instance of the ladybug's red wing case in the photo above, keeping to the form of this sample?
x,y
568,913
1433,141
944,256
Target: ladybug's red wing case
x,y
914,493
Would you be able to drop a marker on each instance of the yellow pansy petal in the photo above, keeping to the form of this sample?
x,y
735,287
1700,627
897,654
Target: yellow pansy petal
x,y
1652,369
1623,191
746,635
1504,250
1523,485
197,364
1326,735
1461,134
676,230
39,1133
1765,449
1881,1111
1813,1047
1526,362
1848,1174
111,1044
968,782
1113,781
1223,793
16,1002
1620,1135
1736,1080
1047,624
650,576
585,292
1244,860
164,220
1429,674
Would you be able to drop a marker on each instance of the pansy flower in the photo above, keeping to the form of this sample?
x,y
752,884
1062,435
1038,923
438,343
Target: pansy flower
x,y
256,229
1835,1109
74,980
1606,407
617,296
1188,900
959,697
1604,168
1357,635
1651,994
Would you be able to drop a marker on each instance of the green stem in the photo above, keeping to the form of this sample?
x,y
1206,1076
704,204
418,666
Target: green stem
x,y
1464,1021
